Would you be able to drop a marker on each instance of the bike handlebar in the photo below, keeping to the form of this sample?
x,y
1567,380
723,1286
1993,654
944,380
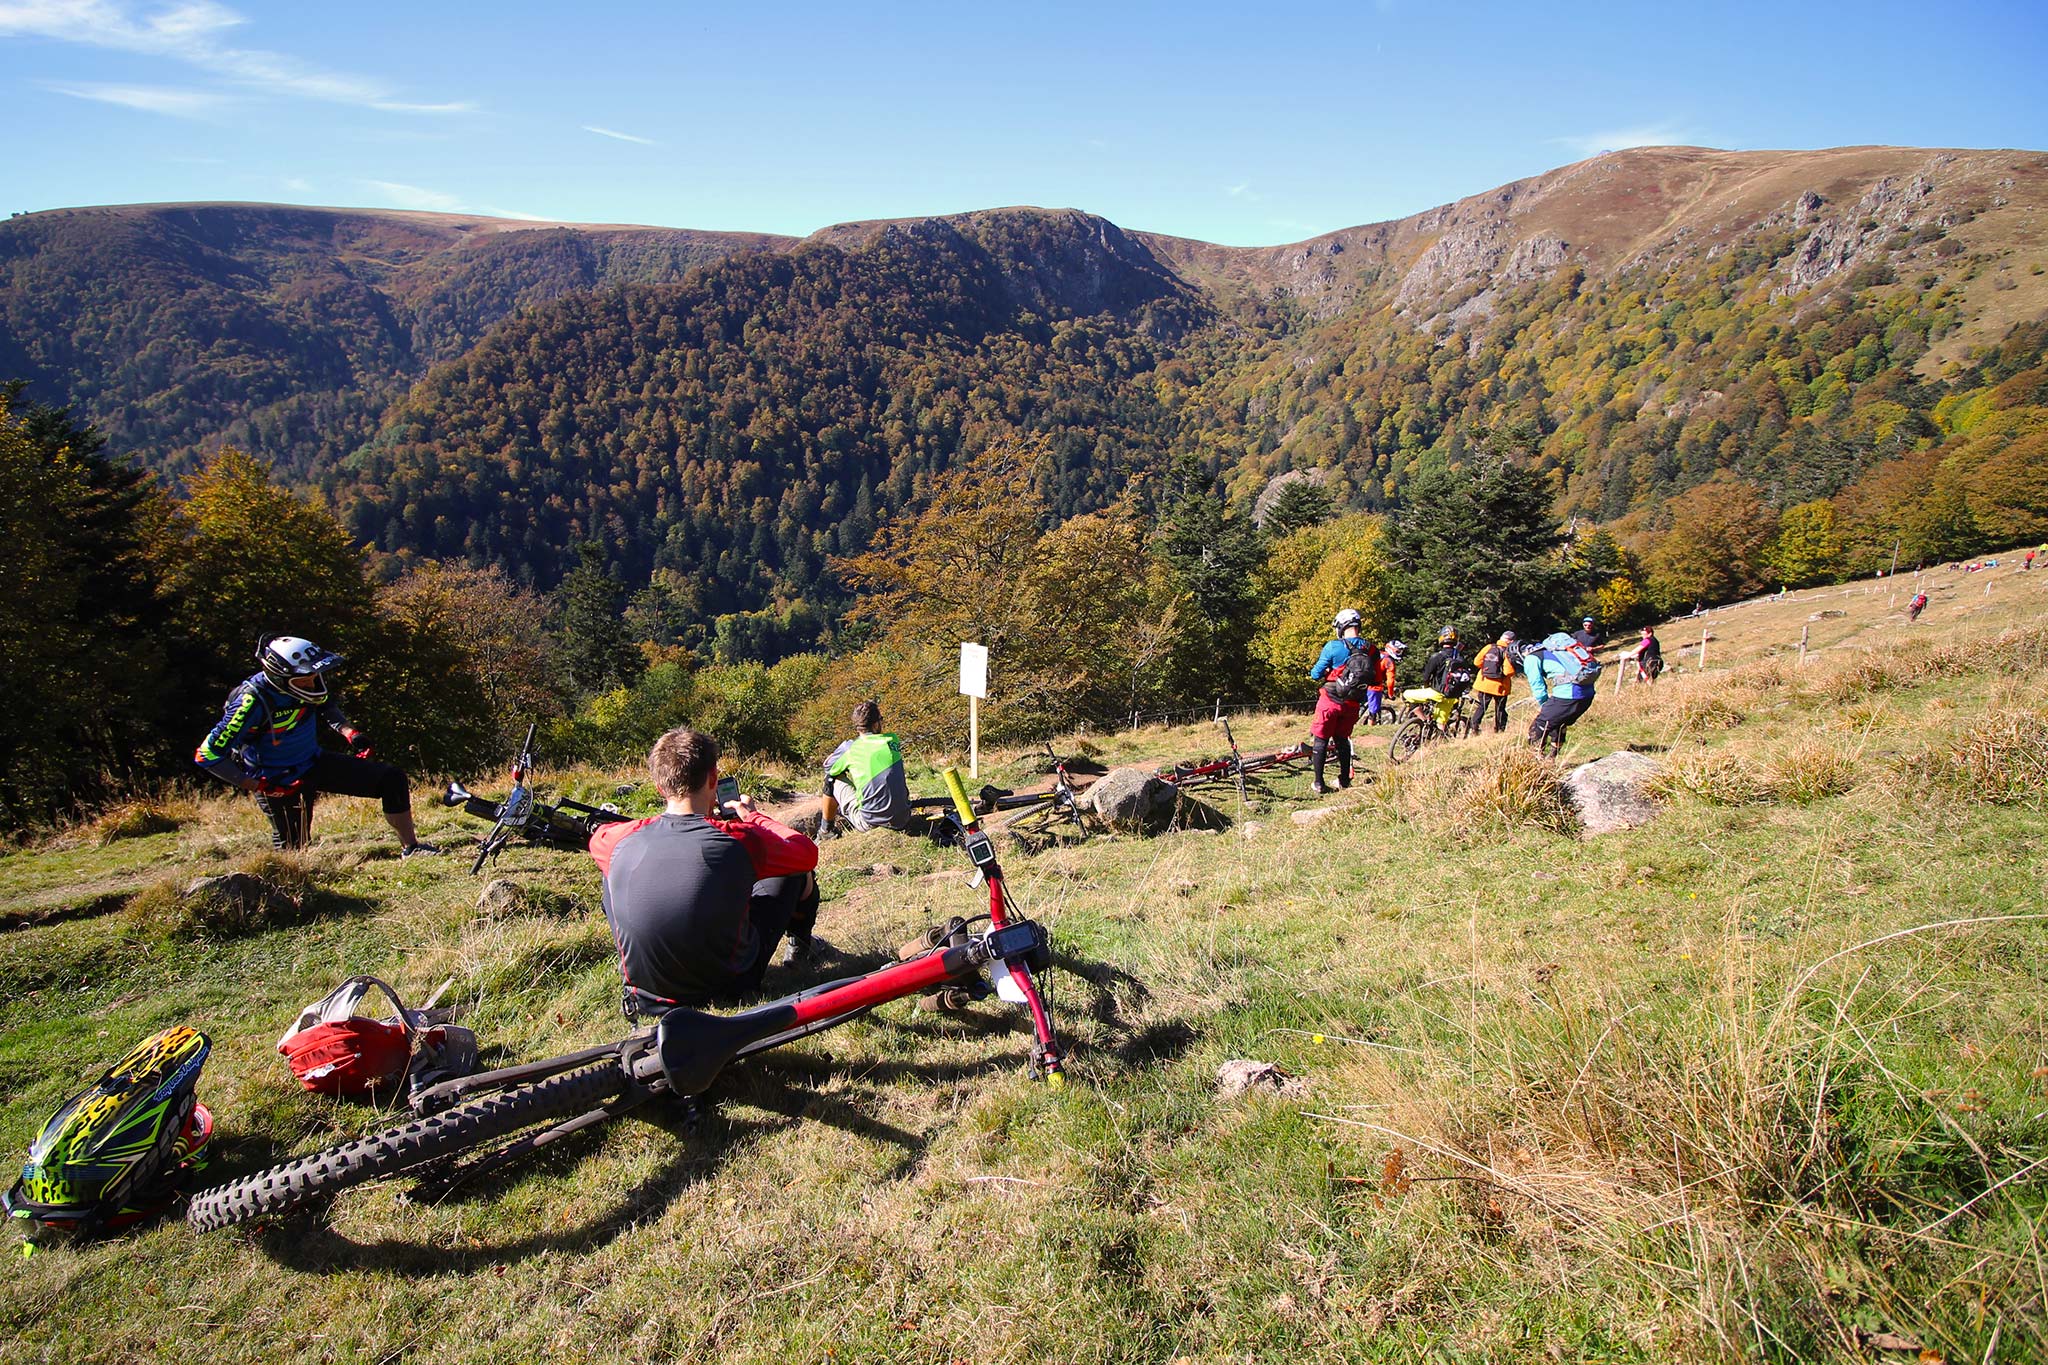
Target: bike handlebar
x,y
958,791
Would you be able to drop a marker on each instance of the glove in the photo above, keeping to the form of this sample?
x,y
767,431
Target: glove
x,y
359,743
268,786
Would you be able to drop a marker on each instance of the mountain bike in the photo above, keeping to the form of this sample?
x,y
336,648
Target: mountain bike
x,y
1429,715
1038,818
1234,767
564,824
678,1059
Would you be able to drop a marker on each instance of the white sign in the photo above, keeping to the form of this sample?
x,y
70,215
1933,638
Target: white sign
x,y
973,670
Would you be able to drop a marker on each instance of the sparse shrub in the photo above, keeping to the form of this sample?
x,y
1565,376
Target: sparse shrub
x,y
1714,776
1701,710
1810,770
1872,713
2001,758
138,819
1762,675
1509,788
264,892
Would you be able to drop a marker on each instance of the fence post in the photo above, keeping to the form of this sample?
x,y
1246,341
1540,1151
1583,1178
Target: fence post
x,y
1802,643
1703,649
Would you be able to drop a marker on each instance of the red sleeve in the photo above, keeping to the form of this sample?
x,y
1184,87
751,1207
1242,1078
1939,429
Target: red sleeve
x,y
605,839
777,850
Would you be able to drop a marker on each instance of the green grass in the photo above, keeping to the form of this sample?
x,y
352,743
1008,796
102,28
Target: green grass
x,y
1658,1096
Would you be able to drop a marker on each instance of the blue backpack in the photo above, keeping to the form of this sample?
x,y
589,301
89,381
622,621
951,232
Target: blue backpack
x,y
1580,668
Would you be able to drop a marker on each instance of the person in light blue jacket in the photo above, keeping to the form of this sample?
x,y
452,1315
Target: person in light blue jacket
x,y
1563,677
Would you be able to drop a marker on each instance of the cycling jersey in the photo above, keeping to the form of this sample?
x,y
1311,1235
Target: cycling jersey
x,y
676,891
265,732
873,766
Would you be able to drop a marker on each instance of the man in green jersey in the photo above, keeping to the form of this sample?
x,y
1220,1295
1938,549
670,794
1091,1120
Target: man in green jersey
x,y
864,779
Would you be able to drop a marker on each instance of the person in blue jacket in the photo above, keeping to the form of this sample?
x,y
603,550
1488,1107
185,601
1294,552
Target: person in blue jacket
x,y
267,742
1562,679
1343,688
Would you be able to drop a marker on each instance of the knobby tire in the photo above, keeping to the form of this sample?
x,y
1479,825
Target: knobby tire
x,y
483,1119
1410,737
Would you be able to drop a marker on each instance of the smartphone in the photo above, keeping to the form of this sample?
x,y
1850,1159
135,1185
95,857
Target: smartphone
x,y
728,792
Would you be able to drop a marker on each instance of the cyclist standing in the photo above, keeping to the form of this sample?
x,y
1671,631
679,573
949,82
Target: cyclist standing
x,y
1916,606
1344,668
1649,656
1496,679
268,742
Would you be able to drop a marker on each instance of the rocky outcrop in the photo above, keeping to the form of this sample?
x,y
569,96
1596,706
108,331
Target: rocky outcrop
x,y
1612,793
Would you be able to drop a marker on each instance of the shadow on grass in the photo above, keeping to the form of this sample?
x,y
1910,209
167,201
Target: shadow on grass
x,y
62,914
311,1244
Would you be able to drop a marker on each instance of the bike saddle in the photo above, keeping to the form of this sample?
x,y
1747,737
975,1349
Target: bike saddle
x,y
694,1046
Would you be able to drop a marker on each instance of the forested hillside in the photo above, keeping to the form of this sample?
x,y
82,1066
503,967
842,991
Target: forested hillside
x,y
1744,368
285,331
742,427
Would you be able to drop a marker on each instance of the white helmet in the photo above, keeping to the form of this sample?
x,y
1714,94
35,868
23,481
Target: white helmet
x,y
1394,649
297,666
1348,618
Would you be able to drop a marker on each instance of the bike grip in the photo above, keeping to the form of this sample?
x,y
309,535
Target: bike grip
x,y
958,789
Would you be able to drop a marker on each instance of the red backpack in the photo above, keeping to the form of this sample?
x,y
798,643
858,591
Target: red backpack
x,y
335,1051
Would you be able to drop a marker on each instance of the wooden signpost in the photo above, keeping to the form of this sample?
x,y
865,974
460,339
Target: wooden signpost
x,y
974,687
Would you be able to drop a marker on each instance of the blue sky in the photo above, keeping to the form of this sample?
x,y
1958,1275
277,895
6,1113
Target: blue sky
x,y
1241,123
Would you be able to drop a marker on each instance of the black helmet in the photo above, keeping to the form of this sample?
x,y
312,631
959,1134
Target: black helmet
x,y
295,666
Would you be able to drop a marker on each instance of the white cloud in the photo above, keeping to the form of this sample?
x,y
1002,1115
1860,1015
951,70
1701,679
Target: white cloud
x,y
193,32
414,197
1243,190
298,184
1620,139
150,99
620,137
517,215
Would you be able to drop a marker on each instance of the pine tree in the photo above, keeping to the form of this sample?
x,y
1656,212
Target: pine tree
x,y
1299,502
1213,554
596,648
1476,547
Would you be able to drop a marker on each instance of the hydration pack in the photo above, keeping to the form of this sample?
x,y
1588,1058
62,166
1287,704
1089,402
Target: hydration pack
x,y
1580,669
1355,674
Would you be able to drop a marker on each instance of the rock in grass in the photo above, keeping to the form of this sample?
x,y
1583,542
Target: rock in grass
x,y
1236,1077
1132,800
501,896
1313,814
1612,793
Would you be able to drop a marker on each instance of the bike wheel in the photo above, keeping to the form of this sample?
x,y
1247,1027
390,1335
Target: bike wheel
x,y
363,1159
1411,735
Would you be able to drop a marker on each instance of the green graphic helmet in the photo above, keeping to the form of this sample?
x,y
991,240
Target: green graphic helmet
x,y
106,1157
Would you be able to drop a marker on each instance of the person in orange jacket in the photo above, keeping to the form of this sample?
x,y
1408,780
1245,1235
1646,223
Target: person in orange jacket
x,y
1496,678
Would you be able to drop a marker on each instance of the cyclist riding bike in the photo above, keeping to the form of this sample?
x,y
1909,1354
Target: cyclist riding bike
x,y
1436,669
699,895
267,742
1345,668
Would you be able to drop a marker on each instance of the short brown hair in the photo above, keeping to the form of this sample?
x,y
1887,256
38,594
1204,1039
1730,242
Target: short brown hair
x,y
867,716
681,760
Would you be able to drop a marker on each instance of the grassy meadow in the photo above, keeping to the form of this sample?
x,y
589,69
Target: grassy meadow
x,y
1766,1079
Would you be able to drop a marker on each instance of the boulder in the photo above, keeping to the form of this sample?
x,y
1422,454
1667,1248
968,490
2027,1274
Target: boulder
x,y
1612,793
1132,801
1315,813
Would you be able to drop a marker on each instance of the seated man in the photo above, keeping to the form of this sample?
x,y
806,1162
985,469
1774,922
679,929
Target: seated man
x,y
864,778
698,897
